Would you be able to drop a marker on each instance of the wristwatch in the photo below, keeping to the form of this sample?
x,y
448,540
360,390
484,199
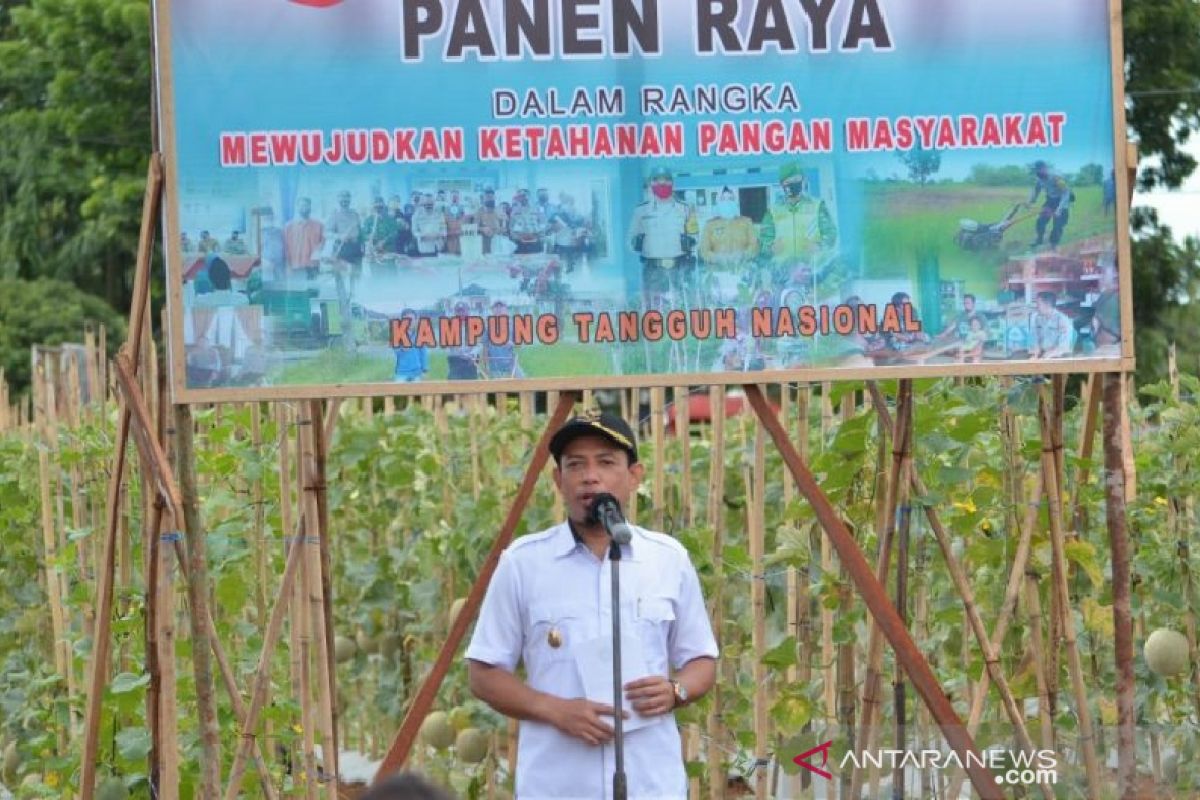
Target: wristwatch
x,y
681,693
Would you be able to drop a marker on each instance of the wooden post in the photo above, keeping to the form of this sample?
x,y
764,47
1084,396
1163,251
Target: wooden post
x,y
313,591
683,426
402,743
168,708
875,597
197,591
1058,543
54,586
828,654
903,524
901,452
1114,496
1033,613
322,434
101,644
755,517
658,480
716,520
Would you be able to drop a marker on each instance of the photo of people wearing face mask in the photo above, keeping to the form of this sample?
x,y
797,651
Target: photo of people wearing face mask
x,y
729,239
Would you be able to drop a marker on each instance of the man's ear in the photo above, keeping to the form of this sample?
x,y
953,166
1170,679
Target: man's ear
x,y
637,471
557,475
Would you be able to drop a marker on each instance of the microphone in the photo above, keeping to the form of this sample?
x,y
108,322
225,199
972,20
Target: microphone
x,y
607,511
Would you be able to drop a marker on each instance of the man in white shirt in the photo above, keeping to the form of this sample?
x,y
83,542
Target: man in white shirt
x,y
549,606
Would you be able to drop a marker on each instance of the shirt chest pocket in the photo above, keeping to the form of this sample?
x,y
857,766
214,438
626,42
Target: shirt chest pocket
x,y
555,628
655,616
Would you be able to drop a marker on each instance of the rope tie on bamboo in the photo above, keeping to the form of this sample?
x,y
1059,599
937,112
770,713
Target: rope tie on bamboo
x,y
287,540
170,537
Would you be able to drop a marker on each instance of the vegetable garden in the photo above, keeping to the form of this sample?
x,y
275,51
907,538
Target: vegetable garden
x,y
416,490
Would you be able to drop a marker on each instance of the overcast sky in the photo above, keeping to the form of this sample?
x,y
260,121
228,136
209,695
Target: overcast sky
x,y
1179,209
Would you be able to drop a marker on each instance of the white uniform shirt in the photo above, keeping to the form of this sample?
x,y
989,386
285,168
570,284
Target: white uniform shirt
x,y
551,582
662,223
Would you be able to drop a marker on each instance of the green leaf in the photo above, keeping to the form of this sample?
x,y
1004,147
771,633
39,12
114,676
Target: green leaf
x,y
128,682
134,743
1083,555
782,655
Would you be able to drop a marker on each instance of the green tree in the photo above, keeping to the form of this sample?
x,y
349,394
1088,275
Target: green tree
x,y
46,312
1162,66
74,139
922,164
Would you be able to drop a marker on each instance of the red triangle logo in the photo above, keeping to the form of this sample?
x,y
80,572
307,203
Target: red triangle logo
x,y
802,760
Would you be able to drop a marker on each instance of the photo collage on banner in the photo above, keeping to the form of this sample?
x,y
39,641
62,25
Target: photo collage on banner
x,y
453,193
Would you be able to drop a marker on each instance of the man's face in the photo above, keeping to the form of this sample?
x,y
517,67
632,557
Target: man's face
x,y
968,304
591,465
427,202
662,187
1045,308
543,197
795,187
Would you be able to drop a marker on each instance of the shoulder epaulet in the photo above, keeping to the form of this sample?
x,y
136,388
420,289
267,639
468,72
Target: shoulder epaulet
x,y
530,538
663,540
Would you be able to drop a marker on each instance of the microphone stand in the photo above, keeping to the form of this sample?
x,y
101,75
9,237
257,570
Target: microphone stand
x,y
620,789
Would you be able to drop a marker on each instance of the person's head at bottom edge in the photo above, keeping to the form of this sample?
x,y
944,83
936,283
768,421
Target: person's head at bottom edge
x,y
406,786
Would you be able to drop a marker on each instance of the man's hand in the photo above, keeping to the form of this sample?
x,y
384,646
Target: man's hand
x,y
581,718
652,695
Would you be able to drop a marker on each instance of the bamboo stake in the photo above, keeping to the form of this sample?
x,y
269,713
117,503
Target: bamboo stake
x,y
322,435
715,518
660,472
875,597
1114,495
301,619
316,600
683,429
845,650
828,655
197,592
901,450
168,707
49,539
473,423
755,513
101,648
150,565
633,411
53,399
1087,436
1074,667
262,674
258,497
1033,612
1004,616
975,622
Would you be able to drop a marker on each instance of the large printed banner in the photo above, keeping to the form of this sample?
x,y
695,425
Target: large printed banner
x,y
374,196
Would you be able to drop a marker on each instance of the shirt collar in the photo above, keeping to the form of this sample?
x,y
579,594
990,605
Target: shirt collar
x,y
565,540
